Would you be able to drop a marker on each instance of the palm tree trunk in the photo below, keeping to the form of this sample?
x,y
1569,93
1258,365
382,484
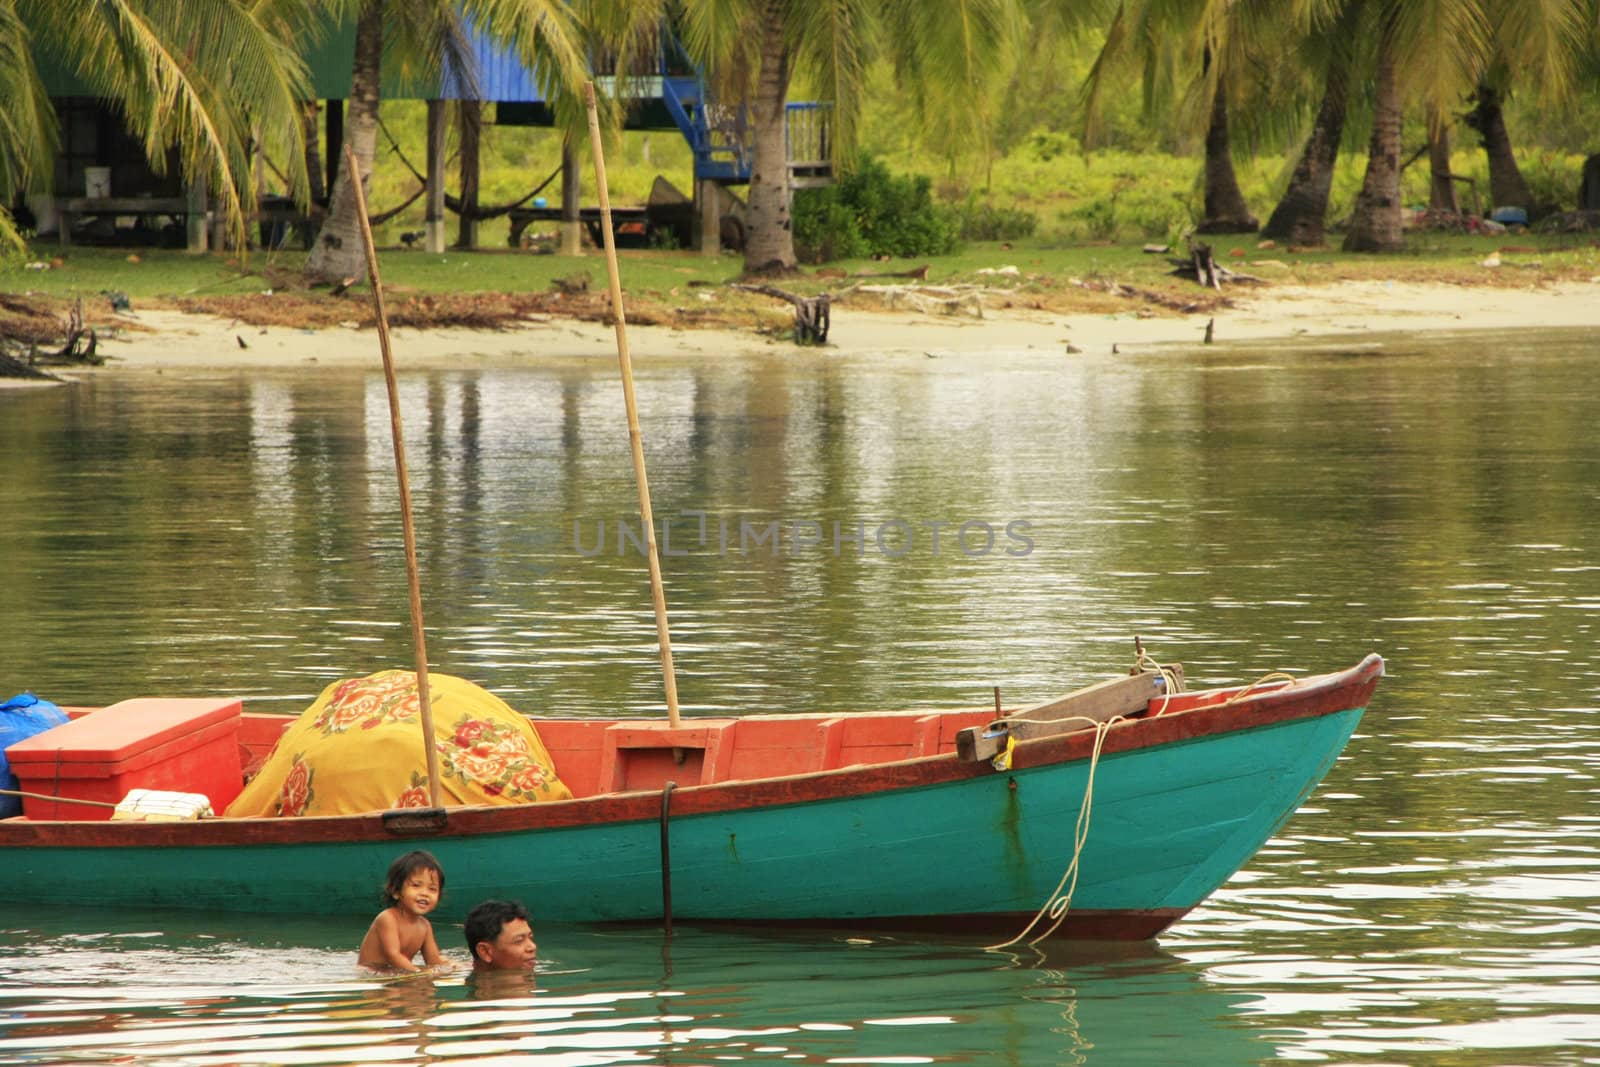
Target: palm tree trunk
x,y
769,247
1226,211
1507,188
337,254
1300,214
1376,225
1442,196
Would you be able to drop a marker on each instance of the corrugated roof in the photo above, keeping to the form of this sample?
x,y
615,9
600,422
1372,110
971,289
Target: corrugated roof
x,y
501,75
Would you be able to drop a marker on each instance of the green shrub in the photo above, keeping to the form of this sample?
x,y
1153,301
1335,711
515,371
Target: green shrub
x,y
1552,177
871,212
825,228
988,222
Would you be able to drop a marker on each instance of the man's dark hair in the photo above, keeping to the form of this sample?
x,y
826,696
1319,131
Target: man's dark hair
x,y
485,922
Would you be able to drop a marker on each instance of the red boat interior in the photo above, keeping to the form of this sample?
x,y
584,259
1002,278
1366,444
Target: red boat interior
x,y
210,745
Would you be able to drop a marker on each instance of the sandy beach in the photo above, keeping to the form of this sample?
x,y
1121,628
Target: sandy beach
x,y
168,341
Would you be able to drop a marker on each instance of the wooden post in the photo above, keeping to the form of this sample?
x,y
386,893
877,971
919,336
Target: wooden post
x,y
197,221
571,190
663,636
333,123
471,135
413,575
433,226
710,197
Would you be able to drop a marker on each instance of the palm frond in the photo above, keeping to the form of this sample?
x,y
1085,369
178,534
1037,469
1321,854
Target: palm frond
x,y
836,41
721,35
1441,46
1546,37
27,122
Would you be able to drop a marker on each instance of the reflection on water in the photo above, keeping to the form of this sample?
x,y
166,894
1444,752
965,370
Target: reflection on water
x,y
1244,509
160,993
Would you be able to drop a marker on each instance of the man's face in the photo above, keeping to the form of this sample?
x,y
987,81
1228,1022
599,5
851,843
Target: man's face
x,y
512,950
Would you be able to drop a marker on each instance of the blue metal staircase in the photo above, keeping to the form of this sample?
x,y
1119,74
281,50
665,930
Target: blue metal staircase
x,y
717,134
714,137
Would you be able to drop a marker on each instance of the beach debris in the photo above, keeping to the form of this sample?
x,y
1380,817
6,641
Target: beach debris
x,y
22,367
812,314
1008,270
1491,260
1156,250
236,337
964,300
1201,265
25,330
915,273
37,264
119,300
573,284
1570,221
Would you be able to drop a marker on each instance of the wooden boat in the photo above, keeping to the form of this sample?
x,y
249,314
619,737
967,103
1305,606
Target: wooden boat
x,y
863,821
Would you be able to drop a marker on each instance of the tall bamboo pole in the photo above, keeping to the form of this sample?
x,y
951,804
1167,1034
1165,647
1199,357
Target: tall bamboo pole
x,y
413,575
663,635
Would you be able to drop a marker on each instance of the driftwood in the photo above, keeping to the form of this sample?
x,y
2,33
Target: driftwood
x,y
21,355
811,313
20,367
1202,266
919,274
933,299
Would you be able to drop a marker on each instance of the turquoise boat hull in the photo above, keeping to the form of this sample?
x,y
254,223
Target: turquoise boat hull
x,y
1179,803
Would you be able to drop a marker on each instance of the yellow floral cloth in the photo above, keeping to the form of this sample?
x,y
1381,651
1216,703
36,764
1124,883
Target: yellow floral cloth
x,y
358,748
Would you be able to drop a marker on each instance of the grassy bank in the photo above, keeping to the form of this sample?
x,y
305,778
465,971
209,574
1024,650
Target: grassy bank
x,y
1041,269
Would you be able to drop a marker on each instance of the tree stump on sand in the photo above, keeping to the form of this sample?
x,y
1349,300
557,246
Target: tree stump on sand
x,y
811,313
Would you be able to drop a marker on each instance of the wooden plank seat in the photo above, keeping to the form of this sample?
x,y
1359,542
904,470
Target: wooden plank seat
x,y
73,208
628,224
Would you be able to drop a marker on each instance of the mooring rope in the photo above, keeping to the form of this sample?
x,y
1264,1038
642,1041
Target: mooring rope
x,y
1060,900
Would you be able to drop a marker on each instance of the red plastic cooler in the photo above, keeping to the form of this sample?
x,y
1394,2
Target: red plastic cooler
x,y
188,745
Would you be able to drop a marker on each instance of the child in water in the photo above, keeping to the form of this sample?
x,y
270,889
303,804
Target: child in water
x,y
415,884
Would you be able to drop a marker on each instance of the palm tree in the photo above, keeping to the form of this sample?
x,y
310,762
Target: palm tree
x,y
197,74
1302,210
758,48
430,38
1433,51
1376,225
1545,38
1213,37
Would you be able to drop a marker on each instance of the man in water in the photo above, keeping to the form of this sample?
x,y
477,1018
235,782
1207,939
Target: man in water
x,y
499,937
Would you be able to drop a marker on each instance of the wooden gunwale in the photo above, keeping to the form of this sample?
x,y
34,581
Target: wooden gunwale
x,y
1307,698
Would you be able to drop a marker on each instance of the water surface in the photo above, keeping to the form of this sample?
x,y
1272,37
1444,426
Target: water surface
x,y
1244,509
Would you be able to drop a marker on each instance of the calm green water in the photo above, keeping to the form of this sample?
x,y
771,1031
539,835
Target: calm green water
x,y
1244,509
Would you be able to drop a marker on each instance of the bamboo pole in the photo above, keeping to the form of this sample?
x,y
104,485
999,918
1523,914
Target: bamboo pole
x,y
413,576
663,635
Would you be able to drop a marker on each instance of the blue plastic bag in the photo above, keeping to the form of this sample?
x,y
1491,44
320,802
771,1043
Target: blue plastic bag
x,y
20,718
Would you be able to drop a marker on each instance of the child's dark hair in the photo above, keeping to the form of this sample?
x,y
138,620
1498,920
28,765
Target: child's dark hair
x,y
404,867
485,922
